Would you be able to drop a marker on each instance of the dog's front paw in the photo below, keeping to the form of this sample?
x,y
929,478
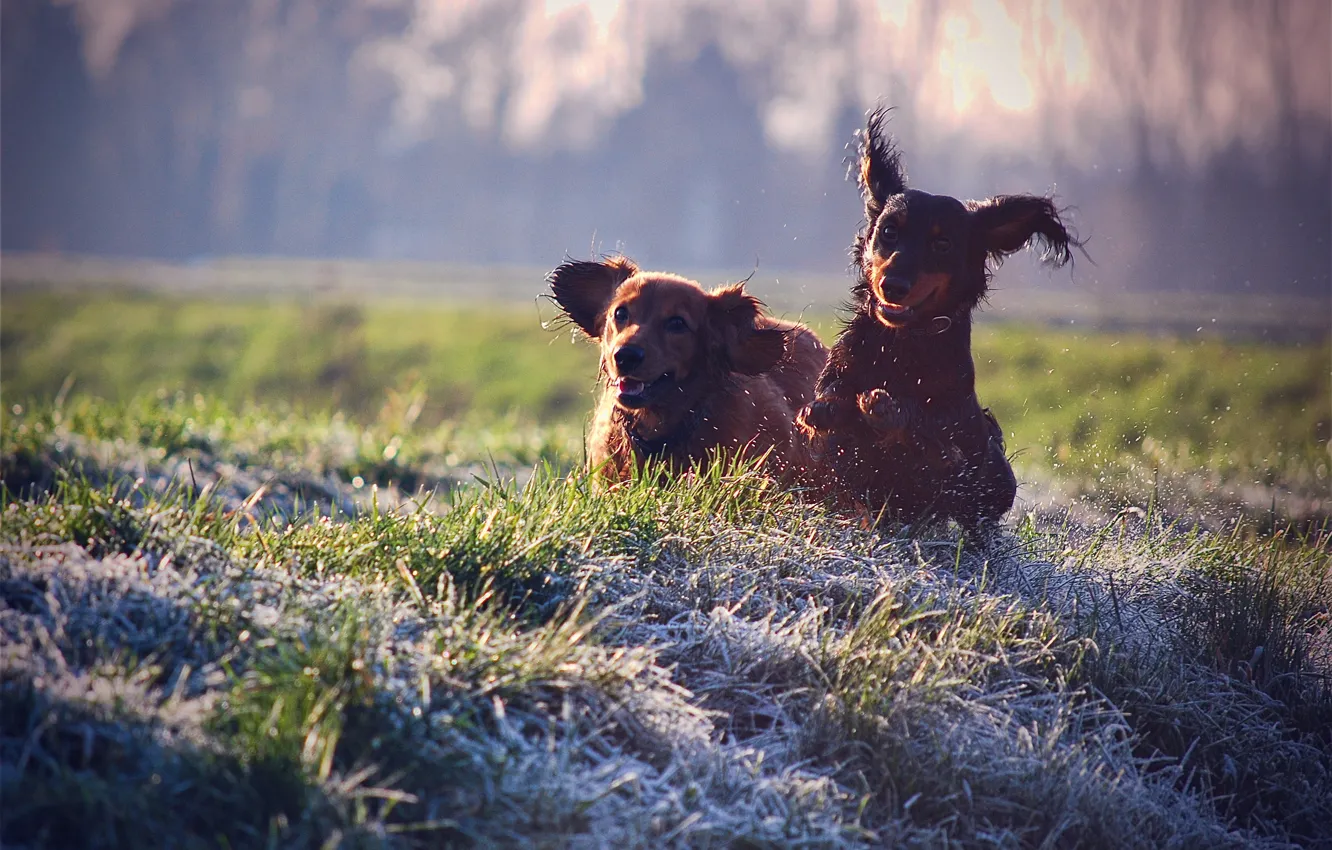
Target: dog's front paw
x,y
881,412
823,414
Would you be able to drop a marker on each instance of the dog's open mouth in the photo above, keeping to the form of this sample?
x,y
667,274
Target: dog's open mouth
x,y
893,314
636,393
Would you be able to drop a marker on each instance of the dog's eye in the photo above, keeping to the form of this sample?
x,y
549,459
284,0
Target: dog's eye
x,y
621,313
942,245
675,324
888,234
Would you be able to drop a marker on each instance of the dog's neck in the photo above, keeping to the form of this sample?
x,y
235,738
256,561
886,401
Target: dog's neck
x,y
651,436
922,360
940,330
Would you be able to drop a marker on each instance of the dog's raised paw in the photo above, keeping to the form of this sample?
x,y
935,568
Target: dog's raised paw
x,y
881,411
822,415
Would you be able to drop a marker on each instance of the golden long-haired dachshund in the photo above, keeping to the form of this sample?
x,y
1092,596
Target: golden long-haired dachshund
x,y
688,374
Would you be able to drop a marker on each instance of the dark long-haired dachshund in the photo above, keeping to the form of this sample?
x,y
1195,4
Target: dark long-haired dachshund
x,y
895,415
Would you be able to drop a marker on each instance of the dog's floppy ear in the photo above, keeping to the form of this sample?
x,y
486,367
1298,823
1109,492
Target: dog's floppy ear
x,y
747,349
584,289
1008,222
881,172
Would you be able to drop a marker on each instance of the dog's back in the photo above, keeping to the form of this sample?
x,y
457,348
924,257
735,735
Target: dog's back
x,y
800,367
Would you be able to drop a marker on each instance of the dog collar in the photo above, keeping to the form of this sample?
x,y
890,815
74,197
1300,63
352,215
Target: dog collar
x,y
648,448
936,326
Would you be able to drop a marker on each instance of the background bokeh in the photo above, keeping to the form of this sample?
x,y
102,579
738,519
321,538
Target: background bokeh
x,y
1192,137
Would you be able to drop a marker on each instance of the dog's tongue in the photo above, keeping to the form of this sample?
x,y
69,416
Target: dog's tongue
x,y
631,386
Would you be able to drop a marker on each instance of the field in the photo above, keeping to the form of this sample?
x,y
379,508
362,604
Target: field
x,y
323,571
1206,426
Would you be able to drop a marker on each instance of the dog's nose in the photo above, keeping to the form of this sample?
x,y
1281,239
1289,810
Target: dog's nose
x,y
895,289
628,357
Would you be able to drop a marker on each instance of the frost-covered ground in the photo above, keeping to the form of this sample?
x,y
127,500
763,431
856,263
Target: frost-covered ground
x,y
213,637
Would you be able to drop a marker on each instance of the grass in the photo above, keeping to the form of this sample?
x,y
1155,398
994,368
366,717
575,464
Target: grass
x,y
1207,427
329,355
327,574
1207,423
200,652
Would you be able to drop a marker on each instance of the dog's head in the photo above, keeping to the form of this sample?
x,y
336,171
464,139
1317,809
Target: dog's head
x,y
663,337
924,256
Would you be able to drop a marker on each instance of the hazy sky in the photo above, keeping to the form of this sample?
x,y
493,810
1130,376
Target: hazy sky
x,y
1077,74
705,132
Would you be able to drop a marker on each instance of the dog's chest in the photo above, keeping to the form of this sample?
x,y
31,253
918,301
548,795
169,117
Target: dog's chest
x,y
908,370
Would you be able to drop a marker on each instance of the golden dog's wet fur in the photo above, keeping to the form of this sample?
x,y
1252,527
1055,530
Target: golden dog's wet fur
x,y
687,374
